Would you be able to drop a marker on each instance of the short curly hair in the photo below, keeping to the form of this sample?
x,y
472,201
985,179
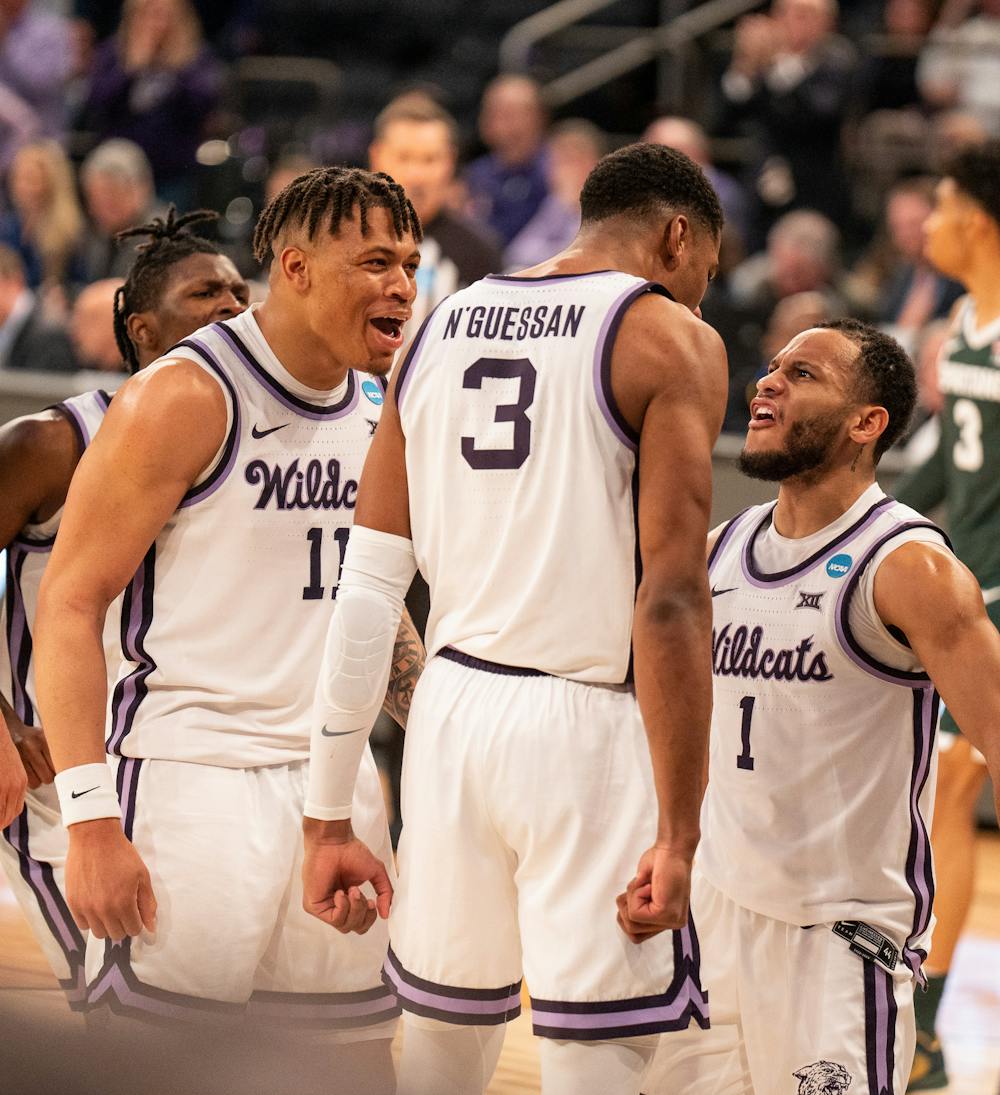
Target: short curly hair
x,y
643,180
976,171
885,376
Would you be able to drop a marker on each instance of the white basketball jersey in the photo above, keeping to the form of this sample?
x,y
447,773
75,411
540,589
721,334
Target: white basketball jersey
x,y
520,469
823,757
27,556
223,625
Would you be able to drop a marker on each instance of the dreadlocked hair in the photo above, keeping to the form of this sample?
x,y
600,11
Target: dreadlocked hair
x,y
326,196
169,240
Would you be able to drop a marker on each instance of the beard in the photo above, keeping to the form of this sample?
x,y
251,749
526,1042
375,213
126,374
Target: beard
x,y
807,448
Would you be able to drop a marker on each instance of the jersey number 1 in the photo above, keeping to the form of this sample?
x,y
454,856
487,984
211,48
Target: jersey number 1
x,y
315,590
745,760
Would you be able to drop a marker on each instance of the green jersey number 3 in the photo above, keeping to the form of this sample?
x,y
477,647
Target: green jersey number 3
x,y
968,451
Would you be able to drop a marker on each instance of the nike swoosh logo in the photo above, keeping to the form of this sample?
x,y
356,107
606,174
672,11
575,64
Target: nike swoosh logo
x,y
80,794
339,733
258,434
719,592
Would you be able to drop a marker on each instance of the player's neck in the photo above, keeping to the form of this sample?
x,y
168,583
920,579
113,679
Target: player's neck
x,y
305,356
806,505
595,248
984,288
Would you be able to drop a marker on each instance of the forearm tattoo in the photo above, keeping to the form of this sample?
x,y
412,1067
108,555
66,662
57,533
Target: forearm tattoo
x,y
407,664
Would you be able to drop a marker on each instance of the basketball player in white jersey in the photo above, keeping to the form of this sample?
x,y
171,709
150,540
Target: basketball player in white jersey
x,y
507,468
839,614
221,490
177,283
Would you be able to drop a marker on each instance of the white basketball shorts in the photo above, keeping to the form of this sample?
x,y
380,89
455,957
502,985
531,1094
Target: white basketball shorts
x,y
224,850
794,1012
527,802
33,854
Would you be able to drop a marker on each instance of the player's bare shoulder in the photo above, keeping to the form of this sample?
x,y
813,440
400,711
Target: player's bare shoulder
x,y
663,346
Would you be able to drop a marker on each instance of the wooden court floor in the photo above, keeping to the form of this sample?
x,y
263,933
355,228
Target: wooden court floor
x,y
970,1013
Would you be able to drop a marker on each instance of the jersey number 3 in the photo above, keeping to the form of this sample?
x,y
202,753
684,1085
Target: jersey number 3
x,y
513,456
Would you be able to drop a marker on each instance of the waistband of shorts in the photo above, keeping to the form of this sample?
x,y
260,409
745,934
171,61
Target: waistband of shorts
x,y
470,662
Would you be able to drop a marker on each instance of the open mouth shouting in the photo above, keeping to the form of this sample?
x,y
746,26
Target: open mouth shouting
x,y
388,332
763,413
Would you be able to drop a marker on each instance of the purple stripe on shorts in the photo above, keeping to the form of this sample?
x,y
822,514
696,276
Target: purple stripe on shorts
x,y
761,580
602,362
40,879
220,473
880,1029
137,616
452,1004
848,642
919,866
75,988
303,407
406,368
20,647
128,783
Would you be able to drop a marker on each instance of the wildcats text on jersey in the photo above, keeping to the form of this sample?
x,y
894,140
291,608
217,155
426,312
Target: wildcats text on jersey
x,y
741,652
318,486
515,324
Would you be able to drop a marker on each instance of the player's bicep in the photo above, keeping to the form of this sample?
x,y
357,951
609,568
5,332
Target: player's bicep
x,y
383,495
161,431
37,457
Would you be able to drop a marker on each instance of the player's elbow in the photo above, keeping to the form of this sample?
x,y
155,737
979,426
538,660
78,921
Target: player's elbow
x,y
678,603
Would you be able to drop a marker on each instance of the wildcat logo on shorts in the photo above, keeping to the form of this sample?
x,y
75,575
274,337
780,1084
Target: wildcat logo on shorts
x,y
823,1078
839,565
373,390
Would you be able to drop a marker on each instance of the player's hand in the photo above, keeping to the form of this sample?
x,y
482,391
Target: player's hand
x,y
107,885
34,752
656,900
335,866
13,780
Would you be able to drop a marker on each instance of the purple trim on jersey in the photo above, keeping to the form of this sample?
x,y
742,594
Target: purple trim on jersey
x,y
289,399
76,420
19,644
220,473
469,1007
758,578
118,987
127,784
137,616
328,1010
848,641
723,538
673,1009
880,1029
919,861
602,362
471,662
406,369
55,912
546,277
103,397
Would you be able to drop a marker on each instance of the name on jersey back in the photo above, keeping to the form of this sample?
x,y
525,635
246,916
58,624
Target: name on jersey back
x,y
514,324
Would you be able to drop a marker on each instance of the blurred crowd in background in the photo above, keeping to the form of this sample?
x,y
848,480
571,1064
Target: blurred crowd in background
x,y
822,130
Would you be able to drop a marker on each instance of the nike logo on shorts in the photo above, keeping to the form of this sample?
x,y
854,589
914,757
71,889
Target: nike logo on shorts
x,y
80,794
719,592
258,434
339,733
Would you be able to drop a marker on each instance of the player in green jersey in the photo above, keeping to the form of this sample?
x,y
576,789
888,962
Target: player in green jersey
x,y
962,239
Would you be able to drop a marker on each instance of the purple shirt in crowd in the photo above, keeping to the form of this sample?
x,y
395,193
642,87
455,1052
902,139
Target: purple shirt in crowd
x,y
36,59
504,197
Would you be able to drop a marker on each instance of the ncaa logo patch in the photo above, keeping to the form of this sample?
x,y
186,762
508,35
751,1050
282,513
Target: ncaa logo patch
x,y
839,565
823,1078
373,390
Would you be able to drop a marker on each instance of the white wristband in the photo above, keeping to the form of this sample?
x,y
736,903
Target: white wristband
x,y
87,792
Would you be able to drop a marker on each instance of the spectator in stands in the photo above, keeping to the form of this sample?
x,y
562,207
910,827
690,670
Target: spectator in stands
x,y
416,143
508,184
574,147
802,255
156,82
27,339
92,327
45,222
688,137
889,71
960,66
950,132
790,80
286,170
36,59
117,184
911,292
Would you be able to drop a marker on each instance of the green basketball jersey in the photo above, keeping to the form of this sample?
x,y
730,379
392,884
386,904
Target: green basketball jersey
x,y
969,377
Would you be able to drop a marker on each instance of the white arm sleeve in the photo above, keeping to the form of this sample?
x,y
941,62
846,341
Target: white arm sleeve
x,y
378,570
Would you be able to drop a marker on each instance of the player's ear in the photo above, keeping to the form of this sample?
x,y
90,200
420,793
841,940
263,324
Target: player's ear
x,y
143,330
294,265
871,423
675,238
